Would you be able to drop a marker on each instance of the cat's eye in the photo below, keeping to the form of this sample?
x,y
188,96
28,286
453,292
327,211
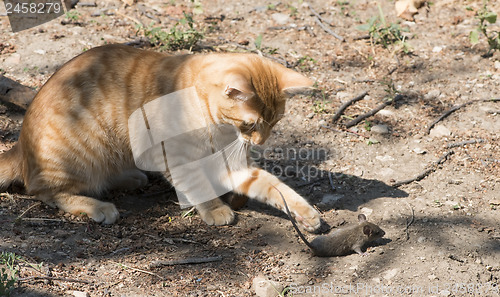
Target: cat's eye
x,y
248,125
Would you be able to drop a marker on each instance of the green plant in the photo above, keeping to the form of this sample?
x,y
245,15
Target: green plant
x,y
368,125
321,105
258,42
486,16
385,34
73,15
183,35
8,275
305,63
389,87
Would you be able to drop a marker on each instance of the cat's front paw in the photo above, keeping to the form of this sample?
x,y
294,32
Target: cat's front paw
x,y
309,219
217,214
104,212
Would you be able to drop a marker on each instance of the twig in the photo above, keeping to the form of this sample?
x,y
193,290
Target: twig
x,y
327,30
24,212
455,108
139,270
343,107
331,180
129,17
156,264
319,19
373,111
461,143
408,223
72,280
52,220
318,15
426,172
311,188
345,130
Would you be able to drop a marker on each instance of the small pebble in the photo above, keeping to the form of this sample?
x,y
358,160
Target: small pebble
x,y
380,129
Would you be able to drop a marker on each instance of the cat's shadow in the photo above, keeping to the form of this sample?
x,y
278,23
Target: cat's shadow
x,y
326,191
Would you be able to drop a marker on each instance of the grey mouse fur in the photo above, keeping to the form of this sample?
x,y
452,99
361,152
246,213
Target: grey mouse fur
x,y
342,241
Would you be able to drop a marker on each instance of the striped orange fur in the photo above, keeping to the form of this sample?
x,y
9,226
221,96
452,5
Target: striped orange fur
x,y
74,140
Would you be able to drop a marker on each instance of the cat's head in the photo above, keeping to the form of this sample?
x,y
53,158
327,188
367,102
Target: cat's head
x,y
252,92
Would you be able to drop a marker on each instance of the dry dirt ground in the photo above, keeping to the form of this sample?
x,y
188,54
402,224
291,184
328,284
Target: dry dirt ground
x,y
442,232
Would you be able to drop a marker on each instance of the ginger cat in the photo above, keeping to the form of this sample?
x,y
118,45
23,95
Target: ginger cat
x,y
74,140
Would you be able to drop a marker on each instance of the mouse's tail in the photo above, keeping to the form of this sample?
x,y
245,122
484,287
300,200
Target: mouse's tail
x,y
293,221
11,166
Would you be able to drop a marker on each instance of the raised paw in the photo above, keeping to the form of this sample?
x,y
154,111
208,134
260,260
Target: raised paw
x,y
216,213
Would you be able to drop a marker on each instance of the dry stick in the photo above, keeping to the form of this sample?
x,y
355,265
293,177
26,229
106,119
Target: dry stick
x,y
345,130
343,107
327,30
319,19
408,223
426,172
156,264
461,143
72,280
331,180
139,270
373,111
455,108
24,212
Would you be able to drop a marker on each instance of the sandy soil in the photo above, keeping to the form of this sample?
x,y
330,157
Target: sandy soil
x,y
442,232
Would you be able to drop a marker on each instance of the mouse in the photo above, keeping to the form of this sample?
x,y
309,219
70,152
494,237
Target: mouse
x,y
342,241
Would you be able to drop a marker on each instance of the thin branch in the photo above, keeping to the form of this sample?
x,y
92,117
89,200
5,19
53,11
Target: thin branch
x,y
408,223
343,107
345,130
331,180
426,172
373,111
327,30
138,270
24,212
455,108
71,280
461,143
156,264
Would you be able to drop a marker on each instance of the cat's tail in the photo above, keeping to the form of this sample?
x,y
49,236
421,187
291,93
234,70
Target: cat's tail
x,y
11,166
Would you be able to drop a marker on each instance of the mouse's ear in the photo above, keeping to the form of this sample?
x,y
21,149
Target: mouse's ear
x,y
361,218
367,230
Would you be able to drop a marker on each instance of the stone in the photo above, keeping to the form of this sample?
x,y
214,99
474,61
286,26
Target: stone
x,y
280,18
266,288
440,131
13,59
78,293
329,199
380,129
310,116
390,274
432,94
344,95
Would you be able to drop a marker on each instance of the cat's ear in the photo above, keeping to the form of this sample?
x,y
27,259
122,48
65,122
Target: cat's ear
x,y
238,88
293,83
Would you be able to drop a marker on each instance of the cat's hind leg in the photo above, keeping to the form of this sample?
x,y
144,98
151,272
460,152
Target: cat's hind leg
x,y
99,211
